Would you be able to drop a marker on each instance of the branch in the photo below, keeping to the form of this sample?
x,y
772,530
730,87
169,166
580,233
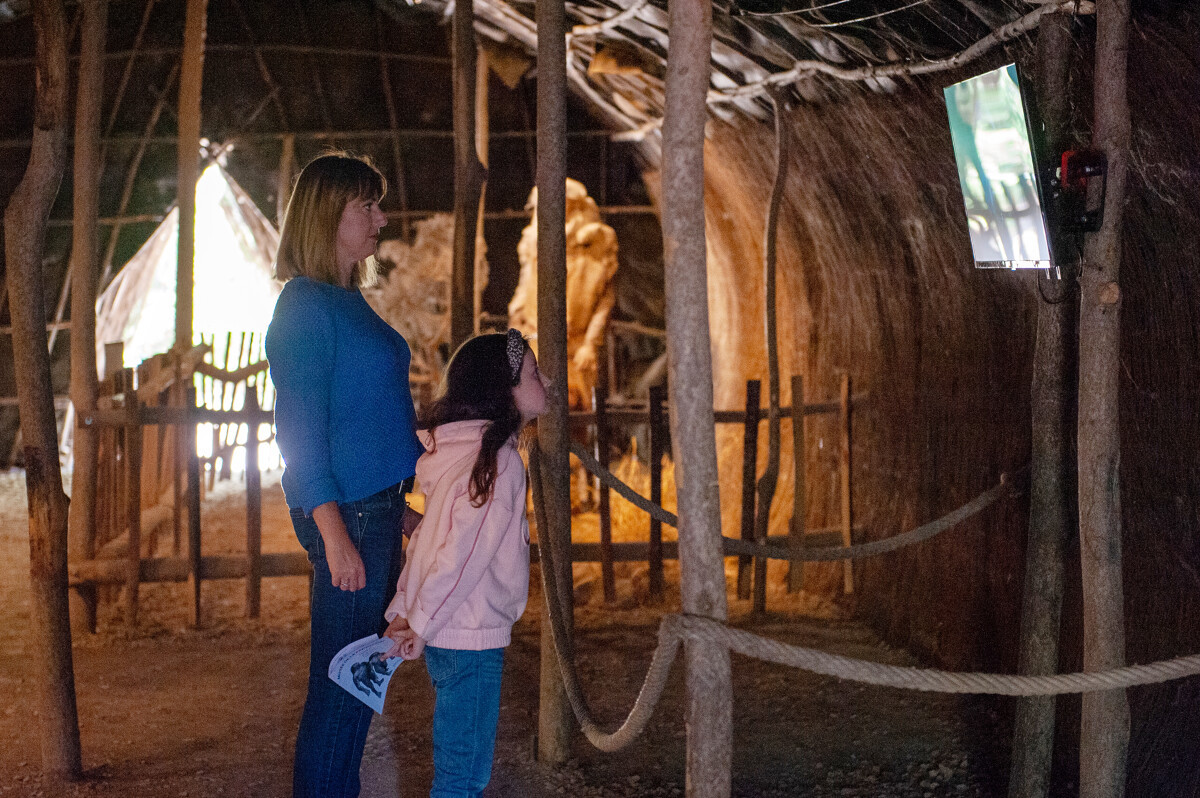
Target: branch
x,y
605,25
805,69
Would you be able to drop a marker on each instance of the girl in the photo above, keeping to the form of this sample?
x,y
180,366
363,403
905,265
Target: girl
x,y
467,576
345,424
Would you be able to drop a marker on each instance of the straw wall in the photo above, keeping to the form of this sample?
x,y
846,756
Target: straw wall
x,y
877,279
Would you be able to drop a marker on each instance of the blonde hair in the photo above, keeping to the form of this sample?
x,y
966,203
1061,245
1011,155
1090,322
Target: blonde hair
x,y
308,238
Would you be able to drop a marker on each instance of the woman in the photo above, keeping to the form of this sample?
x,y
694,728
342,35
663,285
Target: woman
x,y
345,424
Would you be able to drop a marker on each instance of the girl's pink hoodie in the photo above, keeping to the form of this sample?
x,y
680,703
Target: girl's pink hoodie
x,y
466,579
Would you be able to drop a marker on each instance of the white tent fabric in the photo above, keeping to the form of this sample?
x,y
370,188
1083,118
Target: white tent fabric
x,y
234,290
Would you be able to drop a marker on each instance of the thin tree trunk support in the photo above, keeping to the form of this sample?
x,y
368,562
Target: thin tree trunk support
x,y
846,408
657,433
554,712
709,710
799,484
468,176
25,232
81,537
770,478
483,125
1052,480
749,469
190,76
287,157
1104,740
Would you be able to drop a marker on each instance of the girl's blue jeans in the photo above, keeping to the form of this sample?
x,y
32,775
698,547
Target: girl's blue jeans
x,y
465,715
333,728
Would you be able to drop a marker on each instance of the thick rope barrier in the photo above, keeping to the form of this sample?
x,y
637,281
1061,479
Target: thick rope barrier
x,y
734,546
660,662
677,628
927,679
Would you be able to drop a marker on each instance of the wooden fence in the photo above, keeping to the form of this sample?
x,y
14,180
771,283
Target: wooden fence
x,y
149,478
148,453
654,551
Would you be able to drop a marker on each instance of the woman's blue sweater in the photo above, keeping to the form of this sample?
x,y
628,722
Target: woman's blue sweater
x,y
344,415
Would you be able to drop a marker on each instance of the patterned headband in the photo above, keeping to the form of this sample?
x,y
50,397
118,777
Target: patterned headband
x,y
516,354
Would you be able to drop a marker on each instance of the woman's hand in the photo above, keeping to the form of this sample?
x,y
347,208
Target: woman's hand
x,y
345,565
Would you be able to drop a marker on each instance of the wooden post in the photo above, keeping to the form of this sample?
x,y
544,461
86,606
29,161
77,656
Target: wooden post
x,y
799,484
24,237
114,357
287,158
610,360
607,577
177,397
253,509
193,506
188,165
770,478
555,720
749,473
708,716
468,176
482,138
657,432
844,472
1052,494
133,497
81,520
389,102
187,170
1104,739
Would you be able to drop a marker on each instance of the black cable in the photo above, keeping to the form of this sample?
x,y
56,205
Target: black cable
x,y
1068,273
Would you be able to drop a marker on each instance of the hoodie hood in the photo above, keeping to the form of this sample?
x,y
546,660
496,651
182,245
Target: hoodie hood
x,y
450,448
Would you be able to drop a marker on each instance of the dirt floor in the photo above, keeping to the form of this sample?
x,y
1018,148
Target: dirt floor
x,y
170,711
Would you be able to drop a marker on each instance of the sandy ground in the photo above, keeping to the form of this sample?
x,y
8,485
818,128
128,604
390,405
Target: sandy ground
x,y
170,711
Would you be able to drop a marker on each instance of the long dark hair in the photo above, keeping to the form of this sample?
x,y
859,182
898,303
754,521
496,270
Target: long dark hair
x,y
477,386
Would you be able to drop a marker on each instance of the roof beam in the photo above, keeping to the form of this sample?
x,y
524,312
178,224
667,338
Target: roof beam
x,y
110,247
268,78
318,87
403,214
288,49
322,135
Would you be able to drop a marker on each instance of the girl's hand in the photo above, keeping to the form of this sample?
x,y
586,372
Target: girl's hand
x,y
413,646
405,642
396,628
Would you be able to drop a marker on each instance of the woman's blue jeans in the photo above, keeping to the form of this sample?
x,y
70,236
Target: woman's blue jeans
x,y
465,716
333,728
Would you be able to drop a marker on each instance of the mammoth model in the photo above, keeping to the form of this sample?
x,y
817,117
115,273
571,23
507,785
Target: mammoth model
x,y
591,265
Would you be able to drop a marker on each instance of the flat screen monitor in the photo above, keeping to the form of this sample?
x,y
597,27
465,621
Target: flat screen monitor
x,y
990,130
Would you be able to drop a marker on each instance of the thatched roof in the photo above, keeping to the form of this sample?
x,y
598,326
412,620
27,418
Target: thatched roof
x,y
617,51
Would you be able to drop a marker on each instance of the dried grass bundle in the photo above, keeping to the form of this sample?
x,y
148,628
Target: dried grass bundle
x,y
413,295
